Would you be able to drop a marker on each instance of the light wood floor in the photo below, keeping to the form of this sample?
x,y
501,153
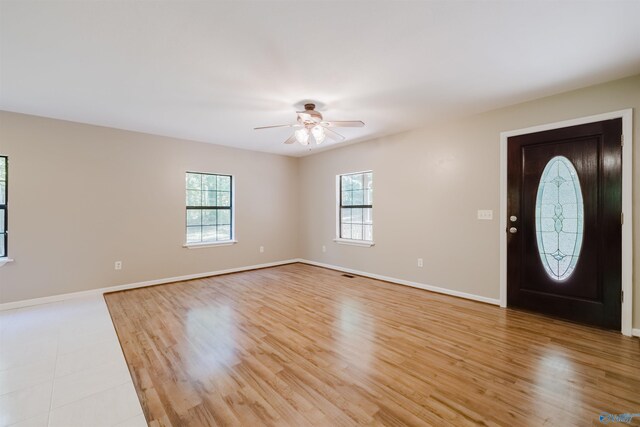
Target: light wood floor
x,y
300,345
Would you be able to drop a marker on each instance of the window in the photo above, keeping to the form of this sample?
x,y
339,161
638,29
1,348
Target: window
x,y
4,165
356,206
559,218
209,208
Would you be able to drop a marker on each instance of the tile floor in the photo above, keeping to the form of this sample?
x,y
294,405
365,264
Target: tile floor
x,y
61,365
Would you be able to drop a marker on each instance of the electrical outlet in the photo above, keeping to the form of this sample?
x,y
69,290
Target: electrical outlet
x,y
118,265
485,214
261,249
324,248
420,263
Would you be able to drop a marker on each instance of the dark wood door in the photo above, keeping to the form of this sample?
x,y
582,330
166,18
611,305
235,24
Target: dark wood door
x,y
564,222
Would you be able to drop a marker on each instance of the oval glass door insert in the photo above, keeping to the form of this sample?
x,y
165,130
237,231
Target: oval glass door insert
x,y
559,218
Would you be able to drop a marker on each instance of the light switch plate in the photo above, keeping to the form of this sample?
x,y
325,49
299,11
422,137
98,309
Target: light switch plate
x,y
485,214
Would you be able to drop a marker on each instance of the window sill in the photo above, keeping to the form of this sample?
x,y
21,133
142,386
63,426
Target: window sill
x,y
362,243
5,260
209,244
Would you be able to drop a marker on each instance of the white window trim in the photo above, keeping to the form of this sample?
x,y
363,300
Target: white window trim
x,y
233,241
353,242
339,240
4,260
200,245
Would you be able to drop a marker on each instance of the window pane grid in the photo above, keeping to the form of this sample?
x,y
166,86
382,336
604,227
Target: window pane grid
x,y
356,206
208,210
3,206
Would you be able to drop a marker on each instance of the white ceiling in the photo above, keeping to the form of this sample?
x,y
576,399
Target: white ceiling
x,y
211,71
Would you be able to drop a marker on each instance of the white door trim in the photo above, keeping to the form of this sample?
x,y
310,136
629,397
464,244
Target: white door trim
x,y
627,207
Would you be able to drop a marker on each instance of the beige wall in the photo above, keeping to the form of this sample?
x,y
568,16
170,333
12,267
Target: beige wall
x,y
428,185
82,197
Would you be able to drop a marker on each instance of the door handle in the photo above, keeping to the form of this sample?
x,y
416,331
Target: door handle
x,y
513,230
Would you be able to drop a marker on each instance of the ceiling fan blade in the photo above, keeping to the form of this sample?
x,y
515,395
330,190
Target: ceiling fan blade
x,y
333,135
291,139
344,124
275,126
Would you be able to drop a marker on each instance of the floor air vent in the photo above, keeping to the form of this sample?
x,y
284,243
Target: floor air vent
x,y
348,275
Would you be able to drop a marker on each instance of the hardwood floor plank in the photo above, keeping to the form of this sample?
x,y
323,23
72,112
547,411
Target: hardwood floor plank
x,y
300,345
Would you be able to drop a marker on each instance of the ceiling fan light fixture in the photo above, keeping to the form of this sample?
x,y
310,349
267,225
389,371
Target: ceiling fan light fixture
x,y
318,134
302,136
310,123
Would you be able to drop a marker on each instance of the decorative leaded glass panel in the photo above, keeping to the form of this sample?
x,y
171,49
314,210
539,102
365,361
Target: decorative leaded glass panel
x,y
559,218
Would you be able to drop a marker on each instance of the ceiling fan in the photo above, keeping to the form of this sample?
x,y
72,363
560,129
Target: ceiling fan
x,y
311,127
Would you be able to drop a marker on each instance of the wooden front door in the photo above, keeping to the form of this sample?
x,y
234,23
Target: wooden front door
x,y
564,222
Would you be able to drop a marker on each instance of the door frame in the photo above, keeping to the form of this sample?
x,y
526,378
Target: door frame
x,y
627,205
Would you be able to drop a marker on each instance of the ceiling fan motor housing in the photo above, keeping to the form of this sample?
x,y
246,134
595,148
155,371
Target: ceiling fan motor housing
x,y
314,116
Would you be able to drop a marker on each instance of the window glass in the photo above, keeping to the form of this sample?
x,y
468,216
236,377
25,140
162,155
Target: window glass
x,y
209,207
356,206
3,205
559,218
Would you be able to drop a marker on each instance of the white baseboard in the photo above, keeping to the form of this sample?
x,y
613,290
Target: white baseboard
x,y
635,332
431,288
100,291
